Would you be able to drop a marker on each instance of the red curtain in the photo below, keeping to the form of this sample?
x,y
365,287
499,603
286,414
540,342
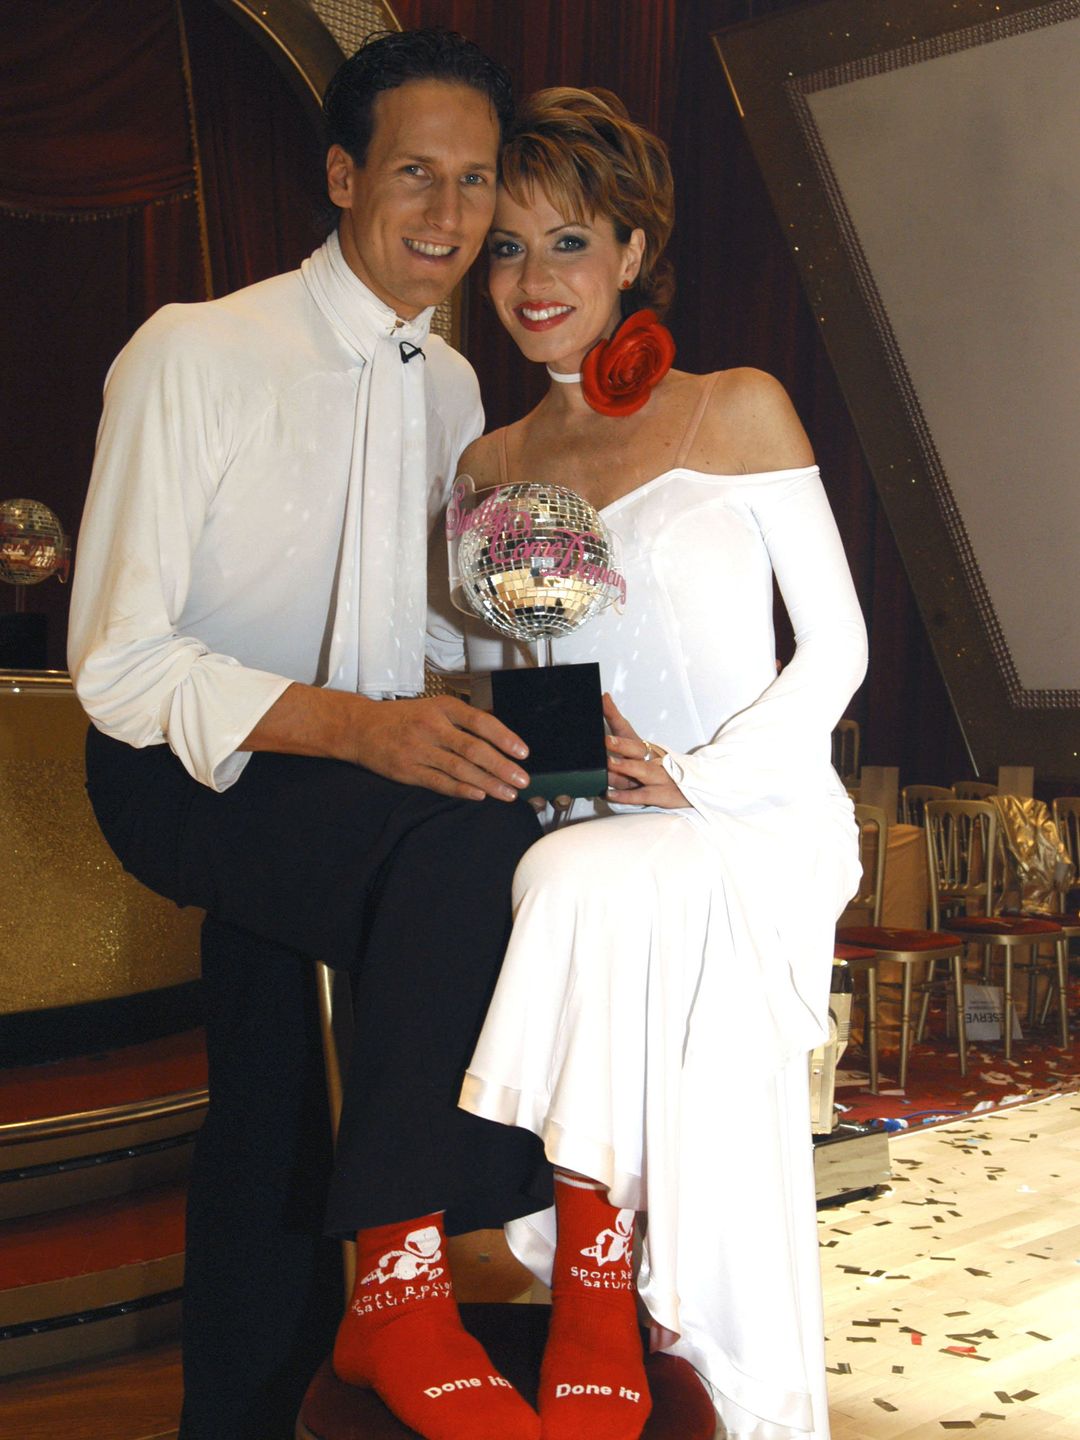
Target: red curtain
x,y
89,95
99,216
98,227
261,155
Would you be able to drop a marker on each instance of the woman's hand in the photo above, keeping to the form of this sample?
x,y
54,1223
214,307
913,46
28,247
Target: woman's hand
x,y
635,774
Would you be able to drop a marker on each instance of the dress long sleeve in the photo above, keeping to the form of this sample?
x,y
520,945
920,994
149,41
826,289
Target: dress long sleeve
x,y
775,750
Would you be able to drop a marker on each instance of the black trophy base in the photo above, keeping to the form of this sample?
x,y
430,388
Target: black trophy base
x,y
558,711
23,641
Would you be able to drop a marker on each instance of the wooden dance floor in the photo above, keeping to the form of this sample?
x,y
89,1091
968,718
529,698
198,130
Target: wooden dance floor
x,y
950,1304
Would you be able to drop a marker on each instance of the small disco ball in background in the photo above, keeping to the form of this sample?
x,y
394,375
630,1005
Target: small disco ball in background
x,y
542,578
33,545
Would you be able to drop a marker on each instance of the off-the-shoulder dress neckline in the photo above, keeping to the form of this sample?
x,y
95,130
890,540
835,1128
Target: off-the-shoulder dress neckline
x,y
749,476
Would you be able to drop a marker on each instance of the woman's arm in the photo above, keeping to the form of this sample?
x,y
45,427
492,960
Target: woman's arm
x,y
777,748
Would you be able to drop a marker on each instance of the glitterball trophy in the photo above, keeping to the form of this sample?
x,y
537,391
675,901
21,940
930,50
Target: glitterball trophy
x,y
534,561
33,546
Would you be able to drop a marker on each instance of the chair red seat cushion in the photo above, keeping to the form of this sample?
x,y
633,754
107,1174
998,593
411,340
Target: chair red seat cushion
x,y
888,937
853,952
514,1337
1006,925
1066,919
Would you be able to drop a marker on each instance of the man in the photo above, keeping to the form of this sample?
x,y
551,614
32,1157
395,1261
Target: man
x,y
248,607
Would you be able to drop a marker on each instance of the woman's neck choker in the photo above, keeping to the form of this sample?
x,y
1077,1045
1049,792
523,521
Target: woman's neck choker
x,y
618,375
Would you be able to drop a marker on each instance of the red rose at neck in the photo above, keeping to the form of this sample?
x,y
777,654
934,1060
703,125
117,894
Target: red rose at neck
x,y
619,374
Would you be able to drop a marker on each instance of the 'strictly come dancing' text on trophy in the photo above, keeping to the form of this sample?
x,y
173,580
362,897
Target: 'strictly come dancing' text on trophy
x,y
535,561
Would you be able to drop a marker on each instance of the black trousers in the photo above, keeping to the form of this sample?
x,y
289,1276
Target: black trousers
x,y
409,891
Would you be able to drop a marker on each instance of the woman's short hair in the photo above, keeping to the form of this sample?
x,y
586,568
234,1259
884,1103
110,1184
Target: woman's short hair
x,y
589,158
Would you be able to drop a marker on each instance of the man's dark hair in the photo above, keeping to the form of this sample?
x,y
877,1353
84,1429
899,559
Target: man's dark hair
x,y
390,58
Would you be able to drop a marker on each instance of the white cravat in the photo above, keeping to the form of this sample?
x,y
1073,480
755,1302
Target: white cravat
x,y
380,604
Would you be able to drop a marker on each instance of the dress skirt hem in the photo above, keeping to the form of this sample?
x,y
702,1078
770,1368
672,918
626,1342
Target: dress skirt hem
x,y
634,1029
565,1148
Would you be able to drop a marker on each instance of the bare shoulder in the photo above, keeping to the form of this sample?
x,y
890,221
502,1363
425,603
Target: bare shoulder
x,y
750,417
481,461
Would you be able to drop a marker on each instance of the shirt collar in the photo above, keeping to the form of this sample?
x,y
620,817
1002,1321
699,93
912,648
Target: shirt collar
x,y
356,313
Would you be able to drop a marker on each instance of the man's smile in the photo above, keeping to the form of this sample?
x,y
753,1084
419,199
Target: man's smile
x,y
430,248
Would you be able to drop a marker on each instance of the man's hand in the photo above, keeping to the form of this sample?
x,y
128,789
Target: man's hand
x,y
442,744
437,742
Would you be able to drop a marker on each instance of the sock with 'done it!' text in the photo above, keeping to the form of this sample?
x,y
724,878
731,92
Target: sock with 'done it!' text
x,y
402,1337
592,1381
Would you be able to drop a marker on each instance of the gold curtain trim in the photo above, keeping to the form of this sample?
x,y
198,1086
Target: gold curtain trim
x,y
200,195
112,212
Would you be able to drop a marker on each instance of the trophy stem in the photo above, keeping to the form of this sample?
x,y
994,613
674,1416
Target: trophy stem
x,y
543,651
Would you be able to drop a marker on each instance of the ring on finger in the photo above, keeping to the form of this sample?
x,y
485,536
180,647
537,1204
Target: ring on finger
x,y
648,753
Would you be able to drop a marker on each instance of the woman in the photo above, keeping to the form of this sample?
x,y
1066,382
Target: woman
x,y
669,967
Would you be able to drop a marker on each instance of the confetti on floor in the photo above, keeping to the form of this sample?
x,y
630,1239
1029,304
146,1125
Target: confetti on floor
x,y
988,1284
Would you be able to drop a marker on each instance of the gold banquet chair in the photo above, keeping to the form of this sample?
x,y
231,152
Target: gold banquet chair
x,y
487,1271
907,948
972,790
913,799
845,752
963,866
333,993
513,1334
332,1410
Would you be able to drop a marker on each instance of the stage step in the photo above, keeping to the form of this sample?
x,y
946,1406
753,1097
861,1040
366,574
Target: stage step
x,y
94,1154
92,1279
853,1160
114,1077
79,1130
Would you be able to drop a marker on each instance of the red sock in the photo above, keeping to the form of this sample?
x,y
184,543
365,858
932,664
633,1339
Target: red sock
x,y
592,1381
402,1336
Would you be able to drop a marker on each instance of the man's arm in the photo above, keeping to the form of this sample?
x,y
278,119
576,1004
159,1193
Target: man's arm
x,y
439,742
158,458
162,446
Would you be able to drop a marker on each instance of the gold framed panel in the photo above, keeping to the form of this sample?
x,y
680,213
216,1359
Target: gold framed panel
x,y
843,101
74,928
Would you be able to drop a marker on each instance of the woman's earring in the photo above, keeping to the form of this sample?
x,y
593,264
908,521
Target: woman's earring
x,y
626,285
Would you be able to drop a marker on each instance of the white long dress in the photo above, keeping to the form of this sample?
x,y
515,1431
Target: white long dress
x,y
669,970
